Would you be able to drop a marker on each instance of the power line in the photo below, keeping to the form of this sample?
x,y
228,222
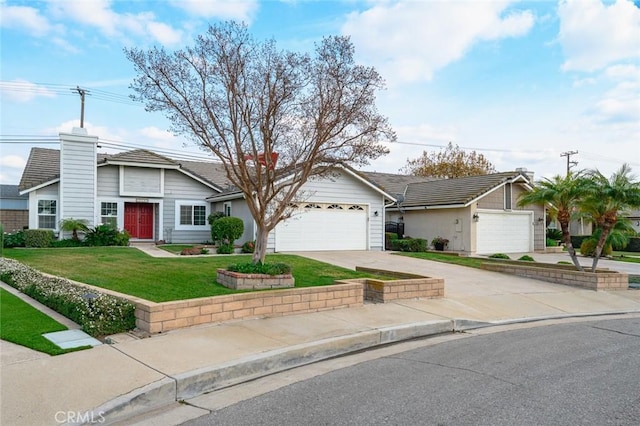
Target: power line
x,y
570,163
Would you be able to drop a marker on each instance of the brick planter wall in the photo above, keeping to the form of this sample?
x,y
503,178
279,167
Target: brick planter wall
x,y
161,317
407,286
239,281
605,280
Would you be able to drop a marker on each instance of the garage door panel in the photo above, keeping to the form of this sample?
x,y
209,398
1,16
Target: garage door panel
x,y
323,229
504,232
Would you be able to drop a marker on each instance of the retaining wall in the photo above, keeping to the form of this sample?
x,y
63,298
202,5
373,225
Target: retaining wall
x,y
601,280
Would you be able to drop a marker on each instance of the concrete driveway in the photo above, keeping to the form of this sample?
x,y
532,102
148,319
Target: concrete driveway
x,y
460,282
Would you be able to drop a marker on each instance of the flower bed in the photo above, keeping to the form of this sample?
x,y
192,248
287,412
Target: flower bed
x,y
241,281
99,314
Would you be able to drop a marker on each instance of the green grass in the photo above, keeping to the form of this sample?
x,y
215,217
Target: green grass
x,y
623,256
471,262
24,325
177,248
128,270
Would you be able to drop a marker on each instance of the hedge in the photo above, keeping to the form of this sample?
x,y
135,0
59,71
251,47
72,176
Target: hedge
x,y
99,314
409,245
39,238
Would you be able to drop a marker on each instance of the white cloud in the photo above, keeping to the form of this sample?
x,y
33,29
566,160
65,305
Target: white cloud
x,y
225,9
23,17
13,161
594,35
100,15
23,91
430,35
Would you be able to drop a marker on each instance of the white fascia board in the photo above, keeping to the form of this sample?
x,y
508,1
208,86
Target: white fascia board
x,y
42,185
145,165
369,184
202,181
228,197
418,208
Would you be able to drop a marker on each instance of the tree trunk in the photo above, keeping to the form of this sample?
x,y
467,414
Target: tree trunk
x,y
606,230
260,249
566,238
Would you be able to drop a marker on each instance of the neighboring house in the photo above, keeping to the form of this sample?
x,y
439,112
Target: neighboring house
x,y
157,198
634,218
477,214
14,208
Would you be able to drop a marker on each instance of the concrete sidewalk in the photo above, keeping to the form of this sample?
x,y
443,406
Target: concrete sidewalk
x,y
126,378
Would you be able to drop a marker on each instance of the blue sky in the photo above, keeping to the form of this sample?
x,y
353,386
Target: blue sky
x,y
521,82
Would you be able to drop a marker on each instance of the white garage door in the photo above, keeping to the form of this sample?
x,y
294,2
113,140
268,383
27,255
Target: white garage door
x,y
502,232
324,226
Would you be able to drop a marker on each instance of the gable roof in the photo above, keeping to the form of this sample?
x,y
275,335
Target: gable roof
x,y
43,166
394,183
11,192
459,191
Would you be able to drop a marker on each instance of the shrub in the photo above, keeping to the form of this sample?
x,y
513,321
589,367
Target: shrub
x,y
576,240
14,240
409,245
588,248
552,243
67,243
633,244
554,234
227,229
38,238
106,235
564,262
439,240
249,247
527,258
260,268
211,219
99,314
499,256
225,249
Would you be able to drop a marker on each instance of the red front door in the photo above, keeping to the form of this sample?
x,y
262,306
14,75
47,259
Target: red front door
x,y
138,220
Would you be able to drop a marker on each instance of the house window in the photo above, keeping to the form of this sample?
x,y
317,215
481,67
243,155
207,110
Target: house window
x,y
109,214
507,196
47,210
226,208
312,206
355,207
335,207
191,215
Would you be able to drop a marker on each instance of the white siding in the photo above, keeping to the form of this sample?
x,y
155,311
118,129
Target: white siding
x,y
141,181
342,188
78,177
108,181
178,186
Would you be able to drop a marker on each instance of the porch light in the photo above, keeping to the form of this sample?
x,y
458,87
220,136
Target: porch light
x,y
476,217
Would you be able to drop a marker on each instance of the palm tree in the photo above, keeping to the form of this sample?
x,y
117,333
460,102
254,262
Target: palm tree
x,y
563,195
74,225
606,199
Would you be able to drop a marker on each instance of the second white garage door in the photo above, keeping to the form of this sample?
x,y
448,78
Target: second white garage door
x,y
324,226
504,232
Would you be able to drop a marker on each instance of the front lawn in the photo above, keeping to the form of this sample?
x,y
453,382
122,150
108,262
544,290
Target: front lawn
x,y
472,262
24,325
128,270
632,257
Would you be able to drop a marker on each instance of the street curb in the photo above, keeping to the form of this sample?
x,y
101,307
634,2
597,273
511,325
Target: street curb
x,y
197,382
201,381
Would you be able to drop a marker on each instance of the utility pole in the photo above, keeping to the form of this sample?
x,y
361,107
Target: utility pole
x,y
570,164
81,92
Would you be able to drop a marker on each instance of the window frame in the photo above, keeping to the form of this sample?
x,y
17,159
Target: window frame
x,y
192,204
40,215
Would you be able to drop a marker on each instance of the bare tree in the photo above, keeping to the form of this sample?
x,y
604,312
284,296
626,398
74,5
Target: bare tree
x,y
450,162
274,118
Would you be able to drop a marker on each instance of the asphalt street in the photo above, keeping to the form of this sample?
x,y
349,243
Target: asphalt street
x,y
582,373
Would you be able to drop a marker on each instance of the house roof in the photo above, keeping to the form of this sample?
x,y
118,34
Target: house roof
x,y
43,166
11,191
459,191
394,183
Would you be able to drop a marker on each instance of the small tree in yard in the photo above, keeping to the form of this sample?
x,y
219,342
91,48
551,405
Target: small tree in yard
x,y
227,230
452,162
563,194
74,225
606,199
273,118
